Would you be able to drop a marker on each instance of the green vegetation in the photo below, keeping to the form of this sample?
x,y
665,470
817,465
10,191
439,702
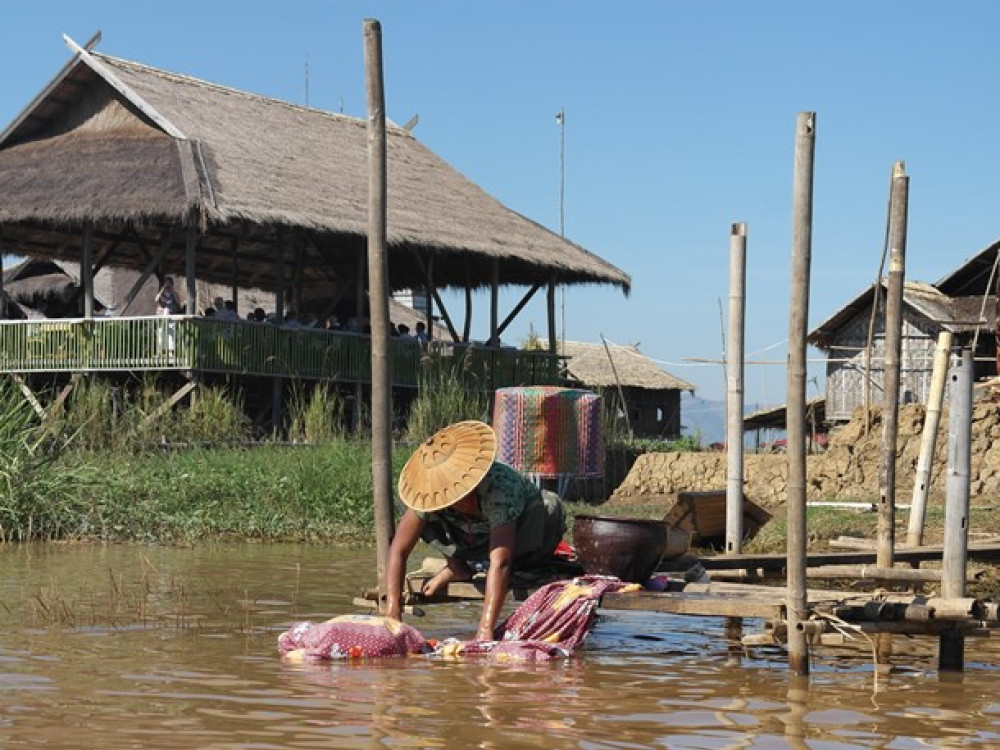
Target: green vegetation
x,y
443,398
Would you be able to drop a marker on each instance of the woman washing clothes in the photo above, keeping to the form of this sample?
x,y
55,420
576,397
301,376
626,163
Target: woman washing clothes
x,y
474,510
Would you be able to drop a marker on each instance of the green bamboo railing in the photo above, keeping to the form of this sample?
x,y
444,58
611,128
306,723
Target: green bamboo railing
x,y
245,348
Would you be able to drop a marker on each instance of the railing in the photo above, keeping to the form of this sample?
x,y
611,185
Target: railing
x,y
242,347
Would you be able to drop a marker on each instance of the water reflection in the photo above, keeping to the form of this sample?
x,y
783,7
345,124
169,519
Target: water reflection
x,y
126,647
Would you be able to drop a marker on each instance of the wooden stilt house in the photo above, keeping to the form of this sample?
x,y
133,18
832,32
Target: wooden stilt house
x,y
117,164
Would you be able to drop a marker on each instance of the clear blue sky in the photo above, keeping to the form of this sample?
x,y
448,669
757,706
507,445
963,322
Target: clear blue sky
x,y
680,120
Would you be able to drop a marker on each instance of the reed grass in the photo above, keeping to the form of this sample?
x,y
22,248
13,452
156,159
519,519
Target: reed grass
x,y
443,397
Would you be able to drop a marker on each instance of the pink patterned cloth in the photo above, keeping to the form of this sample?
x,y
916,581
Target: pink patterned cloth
x,y
351,637
548,625
561,612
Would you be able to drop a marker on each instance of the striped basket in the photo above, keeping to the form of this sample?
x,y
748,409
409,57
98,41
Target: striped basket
x,y
549,432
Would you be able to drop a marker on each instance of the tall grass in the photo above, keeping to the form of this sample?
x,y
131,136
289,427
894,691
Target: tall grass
x,y
41,496
443,397
317,417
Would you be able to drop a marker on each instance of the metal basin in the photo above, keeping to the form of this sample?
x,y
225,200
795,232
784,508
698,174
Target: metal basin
x,y
627,548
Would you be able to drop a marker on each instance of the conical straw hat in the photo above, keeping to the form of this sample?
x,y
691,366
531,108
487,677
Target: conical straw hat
x,y
447,466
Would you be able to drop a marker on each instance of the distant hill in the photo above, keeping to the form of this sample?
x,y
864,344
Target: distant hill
x,y
706,418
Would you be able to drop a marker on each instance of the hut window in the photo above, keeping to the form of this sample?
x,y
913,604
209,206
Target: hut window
x,y
659,415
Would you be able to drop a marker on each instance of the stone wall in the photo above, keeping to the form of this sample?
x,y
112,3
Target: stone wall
x,y
848,469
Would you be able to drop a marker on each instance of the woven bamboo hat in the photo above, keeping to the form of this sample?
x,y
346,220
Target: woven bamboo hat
x,y
447,466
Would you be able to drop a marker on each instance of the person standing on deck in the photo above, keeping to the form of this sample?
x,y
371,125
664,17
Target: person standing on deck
x,y
477,512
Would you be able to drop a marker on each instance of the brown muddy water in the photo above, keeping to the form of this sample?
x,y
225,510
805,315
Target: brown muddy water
x,y
151,647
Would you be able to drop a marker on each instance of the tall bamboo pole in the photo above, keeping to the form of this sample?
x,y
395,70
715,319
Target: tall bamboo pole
x,y
928,440
378,298
956,506
734,387
893,349
886,539
802,198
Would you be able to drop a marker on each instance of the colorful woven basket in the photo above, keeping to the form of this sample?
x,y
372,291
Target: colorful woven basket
x,y
549,432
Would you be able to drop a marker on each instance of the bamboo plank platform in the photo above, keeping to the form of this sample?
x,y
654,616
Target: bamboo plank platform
x,y
986,551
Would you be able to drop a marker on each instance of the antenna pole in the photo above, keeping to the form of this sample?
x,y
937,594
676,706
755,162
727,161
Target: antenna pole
x,y
561,120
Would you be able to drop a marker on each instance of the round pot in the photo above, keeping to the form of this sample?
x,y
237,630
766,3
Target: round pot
x,y
627,548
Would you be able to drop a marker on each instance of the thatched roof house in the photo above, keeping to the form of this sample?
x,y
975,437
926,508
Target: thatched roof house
x,y
652,395
274,189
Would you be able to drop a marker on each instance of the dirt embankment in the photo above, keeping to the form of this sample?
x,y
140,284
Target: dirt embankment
x,y
848,469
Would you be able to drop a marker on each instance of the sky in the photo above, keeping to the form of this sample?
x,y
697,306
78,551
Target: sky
x,y
679,122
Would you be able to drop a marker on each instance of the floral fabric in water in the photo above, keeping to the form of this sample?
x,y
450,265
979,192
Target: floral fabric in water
x,y
351,637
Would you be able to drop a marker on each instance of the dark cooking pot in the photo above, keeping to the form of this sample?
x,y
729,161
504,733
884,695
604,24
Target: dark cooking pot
x,y
627,548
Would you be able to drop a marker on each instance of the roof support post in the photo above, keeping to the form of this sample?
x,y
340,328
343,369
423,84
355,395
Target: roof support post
x,y
495,304
378,273
467,328
3,296
190,249
235,280
550,310
87,270
429,293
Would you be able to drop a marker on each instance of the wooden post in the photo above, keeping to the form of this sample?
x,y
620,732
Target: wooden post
x,y
190,279
802,196
378,299
429,298
495,304
467,328
550,311
3,295
928,440
279,316
87,270
956,507
734,388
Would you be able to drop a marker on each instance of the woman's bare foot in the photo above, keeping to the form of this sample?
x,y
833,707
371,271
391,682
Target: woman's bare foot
x,y
454,570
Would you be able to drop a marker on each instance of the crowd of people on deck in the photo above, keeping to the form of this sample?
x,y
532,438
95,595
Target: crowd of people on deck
x,y
226,310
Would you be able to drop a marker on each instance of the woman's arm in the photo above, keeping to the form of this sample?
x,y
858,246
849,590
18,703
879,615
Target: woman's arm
x,y
497,579
403,541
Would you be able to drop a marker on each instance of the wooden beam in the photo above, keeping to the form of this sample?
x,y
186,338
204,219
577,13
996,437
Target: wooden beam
x,y
517,308
172,401
165,241
31,398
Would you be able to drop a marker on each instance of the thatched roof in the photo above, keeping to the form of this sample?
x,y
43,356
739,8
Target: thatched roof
x,y
956,314
140,151
589,364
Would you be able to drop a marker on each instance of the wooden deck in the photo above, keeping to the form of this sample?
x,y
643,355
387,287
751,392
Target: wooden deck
x,y
211,345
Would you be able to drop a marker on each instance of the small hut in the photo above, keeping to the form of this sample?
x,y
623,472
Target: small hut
x,y
651,395
854,342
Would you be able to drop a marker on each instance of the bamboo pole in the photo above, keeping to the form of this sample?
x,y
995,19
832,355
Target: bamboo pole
x,y
951,654
734,388
886,535
378,297
928,440
893,347
805,148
